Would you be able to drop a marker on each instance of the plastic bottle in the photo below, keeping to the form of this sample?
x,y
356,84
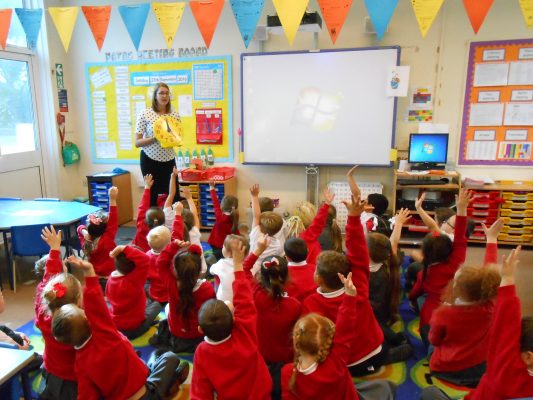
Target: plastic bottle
x,y
187,158
210,157
203,157
180,160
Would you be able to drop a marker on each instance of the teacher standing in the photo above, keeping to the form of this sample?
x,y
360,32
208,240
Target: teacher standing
x,y
156,160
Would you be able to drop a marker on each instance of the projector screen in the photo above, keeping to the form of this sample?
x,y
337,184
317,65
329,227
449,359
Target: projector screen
x,y
325,107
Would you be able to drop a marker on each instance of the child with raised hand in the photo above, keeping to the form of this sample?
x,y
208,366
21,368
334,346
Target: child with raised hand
x,y
276,312
226,220
125,292
98,238
192,225
301,281
56,289
106,362
228,362
168,209
147,217
442,258
460,326
331,236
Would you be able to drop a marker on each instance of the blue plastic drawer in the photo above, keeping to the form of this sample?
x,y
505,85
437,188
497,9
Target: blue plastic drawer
x,y
101,185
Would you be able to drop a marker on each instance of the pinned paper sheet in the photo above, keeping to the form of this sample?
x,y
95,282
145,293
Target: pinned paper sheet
x,y
64,19
393,154
290,13
168,16
425,12
398,81
425,127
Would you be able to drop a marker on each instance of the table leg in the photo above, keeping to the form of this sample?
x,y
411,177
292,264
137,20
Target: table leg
x,y
26,390
8,261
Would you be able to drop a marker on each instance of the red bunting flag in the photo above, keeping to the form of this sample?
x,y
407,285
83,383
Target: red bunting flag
x,y
5,21
477,10
207,13
98,20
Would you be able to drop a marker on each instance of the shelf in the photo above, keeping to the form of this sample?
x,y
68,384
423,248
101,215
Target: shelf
x,y
501,242
446,186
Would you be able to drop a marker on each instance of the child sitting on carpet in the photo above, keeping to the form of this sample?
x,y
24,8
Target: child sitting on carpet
x,y
192,225
228,362
106,362
301,281
331,236
158,238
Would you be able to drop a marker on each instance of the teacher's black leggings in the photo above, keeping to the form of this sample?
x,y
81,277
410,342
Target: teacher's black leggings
x,y
161,171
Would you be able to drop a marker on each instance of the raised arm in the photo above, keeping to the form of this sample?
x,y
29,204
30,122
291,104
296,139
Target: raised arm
x,y
144,204
491,235
346,329
256,210
178,226
354,188
112,221
139,258
312,233
399,221
214,198
458,255
424,216
171,188
192,205
53,265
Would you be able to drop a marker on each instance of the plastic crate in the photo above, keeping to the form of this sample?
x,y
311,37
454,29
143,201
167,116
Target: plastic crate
x,y
484,203
517,221
220,173
477,236
505,212
475,212
193,175
517,230
525,205
518,196
485,195
515,238
484,220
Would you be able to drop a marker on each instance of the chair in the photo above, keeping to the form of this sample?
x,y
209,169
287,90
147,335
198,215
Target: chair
x,y
26,241
4,235
46,199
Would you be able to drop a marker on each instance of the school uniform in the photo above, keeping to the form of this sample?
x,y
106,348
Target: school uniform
x,y
301,281
223,227
312,233
143,229
331,378
233,367
223,269
275,246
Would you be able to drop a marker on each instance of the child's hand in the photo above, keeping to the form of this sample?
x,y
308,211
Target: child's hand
x,y
402,217
182,243
355,207
177,207
211,184
113,193
175,172
148,181
329,196
262,245
349,287
509,267
116,251
85,266
462,200
356,192
420,200
254,190
186,192
237,252
51,237
492,233
26,342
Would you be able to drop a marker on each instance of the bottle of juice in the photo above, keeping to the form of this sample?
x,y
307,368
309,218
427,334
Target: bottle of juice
x,y
203,157
187,158
180,160
194,154
210,157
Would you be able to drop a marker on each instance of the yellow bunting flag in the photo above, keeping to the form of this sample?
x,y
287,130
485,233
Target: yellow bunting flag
x,y
425,12
64,20
527,10
206,13
290,13
169,17
5,22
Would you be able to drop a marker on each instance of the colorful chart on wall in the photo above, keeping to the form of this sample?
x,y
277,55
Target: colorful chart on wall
x,y
200,91
497,126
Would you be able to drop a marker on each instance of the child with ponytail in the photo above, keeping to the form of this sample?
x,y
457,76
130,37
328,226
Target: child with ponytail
x,y
226,220
331,236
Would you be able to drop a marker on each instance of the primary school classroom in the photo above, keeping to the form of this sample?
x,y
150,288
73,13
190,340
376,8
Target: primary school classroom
x,y
250,116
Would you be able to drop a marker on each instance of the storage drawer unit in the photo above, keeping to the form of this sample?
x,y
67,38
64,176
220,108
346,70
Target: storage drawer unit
x,y
98,186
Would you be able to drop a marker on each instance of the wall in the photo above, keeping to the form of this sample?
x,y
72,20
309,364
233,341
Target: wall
x,y
439,60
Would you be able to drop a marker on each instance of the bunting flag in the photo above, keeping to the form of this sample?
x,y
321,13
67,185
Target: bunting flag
x,y
168,16
477,10
527,10
134,17
334,13
5,22
380,13
98,19
247,13
207,13
64,19
30,20
290,13
425,12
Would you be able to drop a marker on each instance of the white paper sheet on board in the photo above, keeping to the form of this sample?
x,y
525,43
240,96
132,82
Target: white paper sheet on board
x,y
398,81
185,105
518,114
481,150
491,74
521,73
106,150
101,77
486,114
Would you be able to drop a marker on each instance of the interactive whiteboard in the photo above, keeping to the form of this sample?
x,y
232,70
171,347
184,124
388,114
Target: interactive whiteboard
x,y
325,107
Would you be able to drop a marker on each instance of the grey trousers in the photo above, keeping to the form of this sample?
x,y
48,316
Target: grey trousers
x,y
380,389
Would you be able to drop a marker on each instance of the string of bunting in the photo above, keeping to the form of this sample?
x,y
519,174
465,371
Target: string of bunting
x,y
246,12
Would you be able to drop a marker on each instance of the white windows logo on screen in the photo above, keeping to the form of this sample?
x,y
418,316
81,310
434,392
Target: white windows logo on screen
x,y
316,109
428,148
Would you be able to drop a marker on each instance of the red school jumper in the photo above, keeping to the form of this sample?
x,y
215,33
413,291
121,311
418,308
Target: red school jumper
x,y
223,224
313,232
233,367
142,229
107,366
125,293
275,319
331,380
58,358
301,281
369,333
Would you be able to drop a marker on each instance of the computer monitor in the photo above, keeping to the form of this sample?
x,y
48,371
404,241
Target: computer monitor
x,y
428,150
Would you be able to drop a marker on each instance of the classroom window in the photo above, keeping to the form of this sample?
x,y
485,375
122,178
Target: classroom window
x,y
16,36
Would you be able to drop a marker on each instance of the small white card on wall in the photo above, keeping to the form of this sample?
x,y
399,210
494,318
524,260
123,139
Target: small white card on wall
x,y
398,81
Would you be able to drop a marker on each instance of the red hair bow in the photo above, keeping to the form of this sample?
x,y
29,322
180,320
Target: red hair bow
x,y
435,234
93,219
59,289
195,249
271,263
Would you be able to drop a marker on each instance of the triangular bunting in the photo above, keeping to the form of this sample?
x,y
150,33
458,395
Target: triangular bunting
x,y
64,20
247,13
425,12
98,19
380,13
527,10
290,13
134,17
206,13
168,16
30,20
477,11
5,22
334,13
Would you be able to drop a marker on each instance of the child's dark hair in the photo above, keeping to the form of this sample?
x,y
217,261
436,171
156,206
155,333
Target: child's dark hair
x,y
242,239
96,230
473,284
335,230
70,326
230,204
526,337
123,264
379,202
270,223
154,217
470,226
215,319
188,266
295,249
330,263
380,251
443,214
61,289
266,204
274,274
435,248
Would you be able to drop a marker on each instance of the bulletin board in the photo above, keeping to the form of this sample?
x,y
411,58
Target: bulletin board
x,y
201,92
497,127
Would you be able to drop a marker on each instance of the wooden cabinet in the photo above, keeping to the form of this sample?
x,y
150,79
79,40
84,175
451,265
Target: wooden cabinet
x,y
98,186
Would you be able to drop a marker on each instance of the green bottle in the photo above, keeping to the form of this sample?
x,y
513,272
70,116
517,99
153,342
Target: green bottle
x,y
194,156
187,158
203,157
180,160
210,157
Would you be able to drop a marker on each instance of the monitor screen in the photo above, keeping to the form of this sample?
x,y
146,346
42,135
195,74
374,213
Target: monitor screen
x,y
428,148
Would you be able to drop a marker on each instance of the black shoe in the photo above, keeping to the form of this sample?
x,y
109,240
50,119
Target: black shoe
x,y
399,353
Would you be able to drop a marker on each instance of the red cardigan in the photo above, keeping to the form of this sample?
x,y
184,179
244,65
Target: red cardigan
x,y
301,282
460,332
142,229
125,293
312,233
223,224
331,380
275,319
440,274
233,367
58,358
99,257
507,376
107,365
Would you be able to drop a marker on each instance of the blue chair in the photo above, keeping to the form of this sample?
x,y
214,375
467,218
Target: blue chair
x,y
26,241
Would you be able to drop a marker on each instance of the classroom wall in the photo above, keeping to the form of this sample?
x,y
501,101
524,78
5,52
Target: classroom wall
x,y
439,61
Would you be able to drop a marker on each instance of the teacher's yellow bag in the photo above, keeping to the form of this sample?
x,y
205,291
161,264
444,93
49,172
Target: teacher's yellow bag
x,y
168,131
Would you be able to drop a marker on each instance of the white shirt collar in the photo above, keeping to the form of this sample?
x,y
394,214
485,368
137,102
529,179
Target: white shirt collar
x,y
461,302
155,252
375,267
331,295
83,344
297,264
215,343
199,283
116,274
309,370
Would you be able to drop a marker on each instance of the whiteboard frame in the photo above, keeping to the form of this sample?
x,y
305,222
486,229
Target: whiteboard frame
x,y
242,132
